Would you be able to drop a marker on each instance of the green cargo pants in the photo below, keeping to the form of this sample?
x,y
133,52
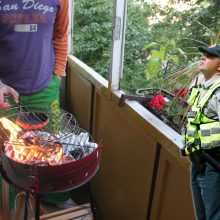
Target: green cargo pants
x,y
48,97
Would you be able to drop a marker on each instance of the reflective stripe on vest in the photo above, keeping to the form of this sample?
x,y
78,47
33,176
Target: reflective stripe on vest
x,y
210,134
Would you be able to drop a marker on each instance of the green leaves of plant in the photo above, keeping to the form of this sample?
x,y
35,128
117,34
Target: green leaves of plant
x,y
150,45
174,58
153,67
161,58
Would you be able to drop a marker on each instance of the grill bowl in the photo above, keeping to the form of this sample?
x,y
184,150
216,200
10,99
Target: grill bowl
x,y
46,179
43,177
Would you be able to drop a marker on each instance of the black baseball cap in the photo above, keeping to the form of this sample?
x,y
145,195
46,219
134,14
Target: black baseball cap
x,y
213,50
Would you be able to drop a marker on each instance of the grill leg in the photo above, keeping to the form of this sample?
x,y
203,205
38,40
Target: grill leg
x,y
37,206
93,208
26,206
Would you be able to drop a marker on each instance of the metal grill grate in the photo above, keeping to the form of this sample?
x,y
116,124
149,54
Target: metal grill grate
x,y
43,136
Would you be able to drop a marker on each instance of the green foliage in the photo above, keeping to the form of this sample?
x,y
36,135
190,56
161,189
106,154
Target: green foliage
x,y
160,60
175,38
92,39
92,33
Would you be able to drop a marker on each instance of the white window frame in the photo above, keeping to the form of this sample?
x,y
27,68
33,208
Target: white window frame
x,y
118,42
70,28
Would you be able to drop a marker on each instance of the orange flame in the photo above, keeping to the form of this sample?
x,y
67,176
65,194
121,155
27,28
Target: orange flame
x,y
20,151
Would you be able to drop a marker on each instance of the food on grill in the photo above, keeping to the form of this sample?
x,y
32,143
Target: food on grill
x,y
32,120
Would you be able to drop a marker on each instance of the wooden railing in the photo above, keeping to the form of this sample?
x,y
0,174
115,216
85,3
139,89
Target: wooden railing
x,y
142,175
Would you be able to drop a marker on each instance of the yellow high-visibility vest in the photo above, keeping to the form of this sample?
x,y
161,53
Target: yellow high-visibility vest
x,y
201,131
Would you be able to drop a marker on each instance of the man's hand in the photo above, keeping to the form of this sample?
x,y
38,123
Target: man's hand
x,y
7,91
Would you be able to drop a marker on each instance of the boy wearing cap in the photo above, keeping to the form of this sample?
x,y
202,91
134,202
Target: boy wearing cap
x,y
202,134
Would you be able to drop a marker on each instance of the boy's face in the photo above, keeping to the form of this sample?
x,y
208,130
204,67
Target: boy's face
x,y
209,65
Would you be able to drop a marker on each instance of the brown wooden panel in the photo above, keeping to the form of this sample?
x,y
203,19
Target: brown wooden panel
x,y
121,187
172,198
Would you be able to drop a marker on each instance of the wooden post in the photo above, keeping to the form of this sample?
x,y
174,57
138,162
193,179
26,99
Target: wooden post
x,y
5,200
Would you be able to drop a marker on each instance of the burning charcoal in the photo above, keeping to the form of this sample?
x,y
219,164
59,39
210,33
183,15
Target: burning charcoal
x,y
25,151
23,135
77,153
9,150
29,156
20,134
28,141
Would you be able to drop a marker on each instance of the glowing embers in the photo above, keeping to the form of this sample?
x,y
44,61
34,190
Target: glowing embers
x,y
31,147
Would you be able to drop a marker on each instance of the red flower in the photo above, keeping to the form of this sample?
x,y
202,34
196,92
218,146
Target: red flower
x,y
157,102
180,93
